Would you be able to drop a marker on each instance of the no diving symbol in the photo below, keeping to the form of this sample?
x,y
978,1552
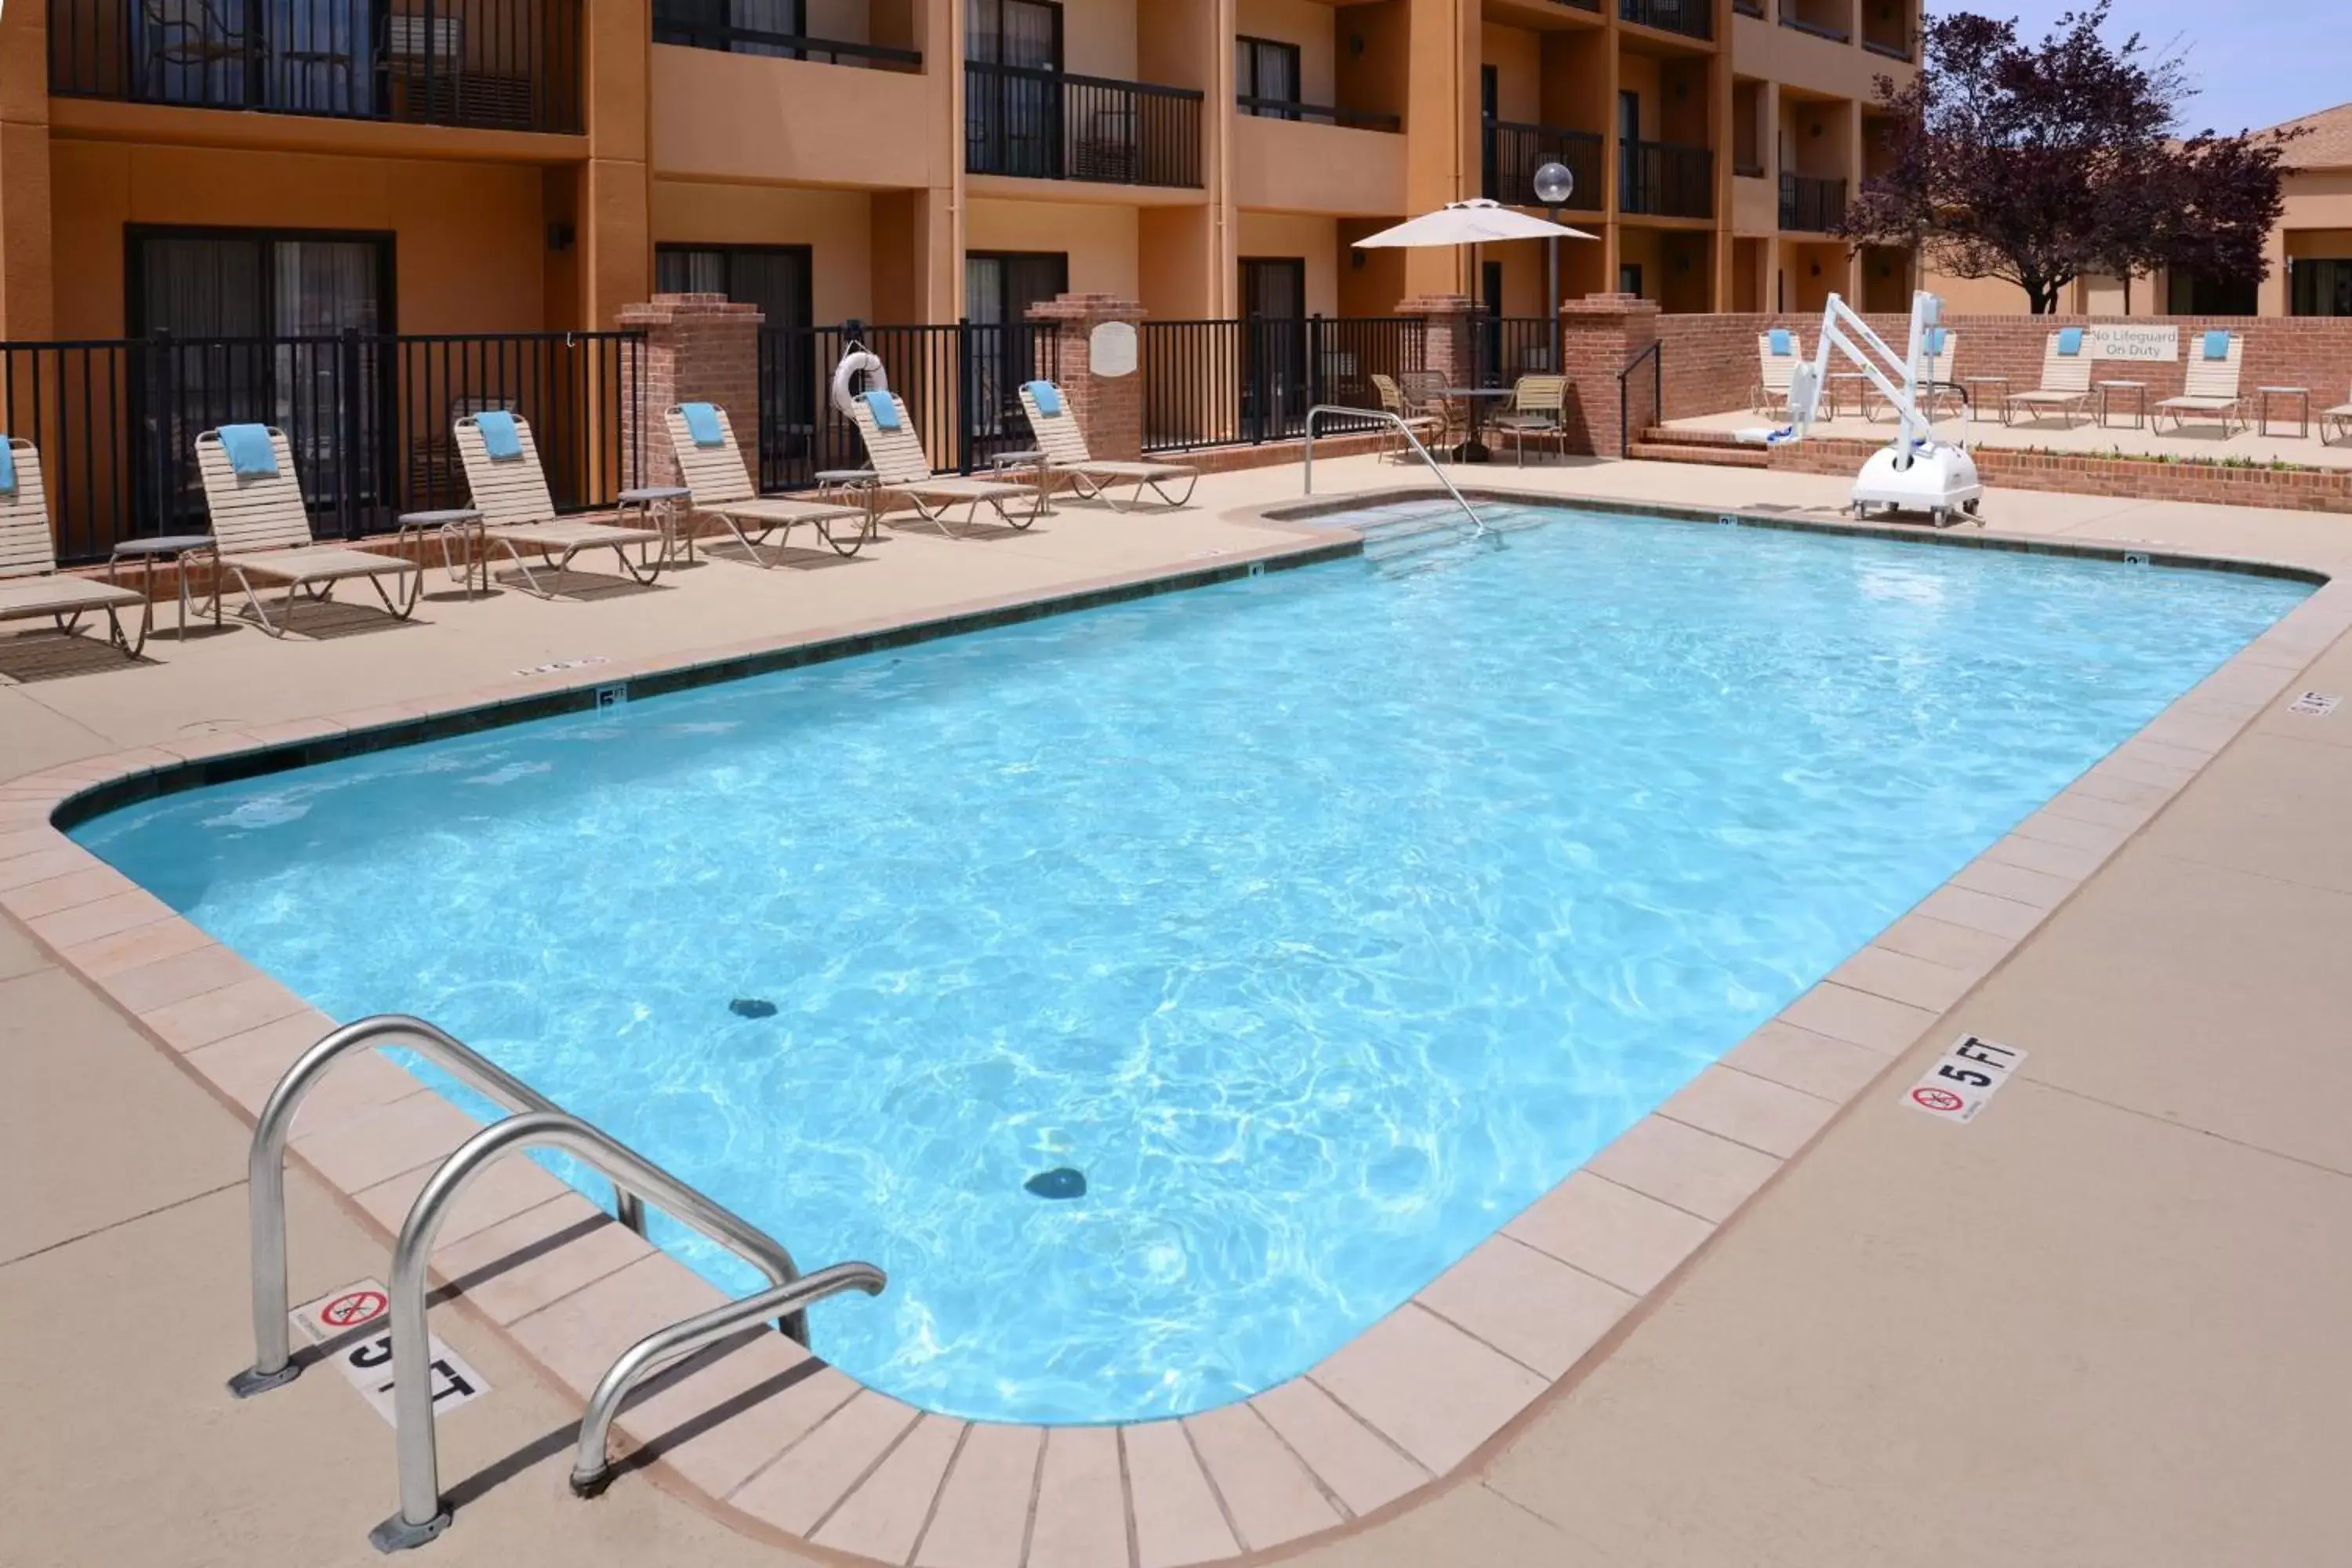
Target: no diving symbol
x,y
353,1308
1937,1099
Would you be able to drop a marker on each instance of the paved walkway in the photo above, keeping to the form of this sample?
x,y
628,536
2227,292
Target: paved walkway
x,y
2103,1324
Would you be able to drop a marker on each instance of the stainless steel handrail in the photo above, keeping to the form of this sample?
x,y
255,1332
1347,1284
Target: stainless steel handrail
x,y
266,1166
591,1467
421,1515
1477,526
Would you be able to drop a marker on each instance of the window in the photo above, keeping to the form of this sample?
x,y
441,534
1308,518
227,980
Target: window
x,y
1629,277
1025,33
738,26
2320,286
1266,72
999,289
2193,296
775,278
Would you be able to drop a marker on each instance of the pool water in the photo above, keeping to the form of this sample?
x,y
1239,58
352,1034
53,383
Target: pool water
x,y
1321,922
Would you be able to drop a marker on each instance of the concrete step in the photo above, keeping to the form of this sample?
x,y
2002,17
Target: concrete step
x,y
1667,446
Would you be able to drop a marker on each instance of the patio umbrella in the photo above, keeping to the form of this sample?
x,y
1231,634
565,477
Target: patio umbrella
x,y
1468,222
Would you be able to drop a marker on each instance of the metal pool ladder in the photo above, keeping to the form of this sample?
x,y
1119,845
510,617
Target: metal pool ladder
x,y
539,1123
1477,526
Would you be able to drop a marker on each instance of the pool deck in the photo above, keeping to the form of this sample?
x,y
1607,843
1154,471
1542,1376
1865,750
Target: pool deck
x,y
1787,1319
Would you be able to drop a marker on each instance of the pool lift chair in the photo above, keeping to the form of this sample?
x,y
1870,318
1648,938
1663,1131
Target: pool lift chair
x,y
1914,471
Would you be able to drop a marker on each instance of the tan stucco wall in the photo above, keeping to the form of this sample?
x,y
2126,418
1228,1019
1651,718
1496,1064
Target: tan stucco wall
x,y
837,227
1098,37
1286,165
1100,241
1314,240
1300,22
1516,56
745,117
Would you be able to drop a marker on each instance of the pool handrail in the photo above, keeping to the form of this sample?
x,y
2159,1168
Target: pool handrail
x,y
1477,525
591,1468
421,1516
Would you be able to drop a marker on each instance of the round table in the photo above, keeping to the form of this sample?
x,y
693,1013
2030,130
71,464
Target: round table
x,y
175,547
462,524
645,500
1474,398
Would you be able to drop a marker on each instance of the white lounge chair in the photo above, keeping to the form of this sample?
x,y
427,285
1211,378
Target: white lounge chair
x,y
2210,389
262,532
1937,386
1773,368
2065,379
30,583
900,469
519,514
722,488
1064,445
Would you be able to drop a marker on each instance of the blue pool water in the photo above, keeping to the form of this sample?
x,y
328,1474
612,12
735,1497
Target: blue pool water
x,y
1322,921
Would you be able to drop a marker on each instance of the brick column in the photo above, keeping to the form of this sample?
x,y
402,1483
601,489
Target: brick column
x,y
1106,402
698,349
1599,335
1447,347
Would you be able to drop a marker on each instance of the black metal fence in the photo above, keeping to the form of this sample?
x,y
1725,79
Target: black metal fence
x,y
1666,179
1515,151
1241,383
1809,205
1692,18
715,24
962,384
1505,348
1050,125
508,65
368,417
1316,113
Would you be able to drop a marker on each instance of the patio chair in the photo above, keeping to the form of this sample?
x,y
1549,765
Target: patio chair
x,y
2065,379
262,532
1778,353
900,469
2339,419
30,583
1427,427
1064,445
2209,390
1938,385
712,467
1538,412
519,514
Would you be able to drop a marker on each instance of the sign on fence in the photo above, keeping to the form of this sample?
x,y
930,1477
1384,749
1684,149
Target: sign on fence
x,y
1111,350
2146,344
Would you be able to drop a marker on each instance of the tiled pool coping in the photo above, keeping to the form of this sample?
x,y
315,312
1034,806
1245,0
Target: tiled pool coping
x,y
782,1443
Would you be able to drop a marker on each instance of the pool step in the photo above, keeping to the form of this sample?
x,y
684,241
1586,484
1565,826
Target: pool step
x,y
1659,444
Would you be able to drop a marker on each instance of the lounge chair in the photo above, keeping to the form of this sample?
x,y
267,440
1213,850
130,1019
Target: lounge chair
x,y
2065,379
30,583
711,466
1064,445
1937,385
262,532
1427,427
1778,353
900,469
1538,412
2339,419
519,514
2210,389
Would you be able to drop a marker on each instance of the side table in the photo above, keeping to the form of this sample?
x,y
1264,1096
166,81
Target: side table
x,y
460,527
2138,389
2302,394
178,549
1978,400
650,501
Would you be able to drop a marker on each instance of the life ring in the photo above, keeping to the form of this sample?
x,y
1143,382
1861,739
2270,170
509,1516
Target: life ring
x,y
858,360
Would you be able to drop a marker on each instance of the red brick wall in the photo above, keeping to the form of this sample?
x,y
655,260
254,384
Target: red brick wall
x,y
1710,360
2005,468
698,349
1599,335
1109,408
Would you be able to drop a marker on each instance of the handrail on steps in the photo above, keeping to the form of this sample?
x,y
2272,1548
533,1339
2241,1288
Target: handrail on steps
x,y
1657,356
1477,526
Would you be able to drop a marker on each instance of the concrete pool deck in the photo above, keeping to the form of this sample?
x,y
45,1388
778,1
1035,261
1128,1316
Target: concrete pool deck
x,y
2097,1324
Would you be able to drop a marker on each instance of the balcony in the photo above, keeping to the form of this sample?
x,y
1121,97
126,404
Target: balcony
x,y
1895,43
1317,114
1817,19
1692,18
1809,205
1748,8
1050,125
1515,151
710,25
1665,179
502,65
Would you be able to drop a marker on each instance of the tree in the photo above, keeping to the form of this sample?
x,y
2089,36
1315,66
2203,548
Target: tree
x,y
2040,162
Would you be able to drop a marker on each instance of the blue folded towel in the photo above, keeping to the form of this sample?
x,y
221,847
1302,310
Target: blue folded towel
x,y
702,423
885,409
1934,342
7,467
249,451
2217,345
1048,397
500,439
1781,341
2070,341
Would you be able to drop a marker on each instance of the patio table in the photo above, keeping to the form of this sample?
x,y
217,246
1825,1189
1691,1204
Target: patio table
x,y
1474,400
2302,394
175,547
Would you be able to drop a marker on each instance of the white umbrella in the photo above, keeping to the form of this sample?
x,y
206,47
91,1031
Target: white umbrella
x,y
1469,223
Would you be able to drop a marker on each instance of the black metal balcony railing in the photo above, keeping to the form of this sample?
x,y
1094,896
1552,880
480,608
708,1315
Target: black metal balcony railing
x,y
1665,179
1797,22
1746,168
1692,18
1515,151
710,25
1050,125
1317,114
1811,205
1580,4
506,65
1896,45
1749,9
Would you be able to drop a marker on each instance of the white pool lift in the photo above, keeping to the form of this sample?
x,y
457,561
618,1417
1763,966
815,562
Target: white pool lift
x,y
1915,472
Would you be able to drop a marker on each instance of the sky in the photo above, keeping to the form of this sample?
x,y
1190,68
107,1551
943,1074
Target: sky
x,y
2255,64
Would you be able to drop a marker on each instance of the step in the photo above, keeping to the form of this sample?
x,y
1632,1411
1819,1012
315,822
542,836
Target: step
x,y
1725,456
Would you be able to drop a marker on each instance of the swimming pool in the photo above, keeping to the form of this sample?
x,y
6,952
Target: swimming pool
x,y
1322,921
